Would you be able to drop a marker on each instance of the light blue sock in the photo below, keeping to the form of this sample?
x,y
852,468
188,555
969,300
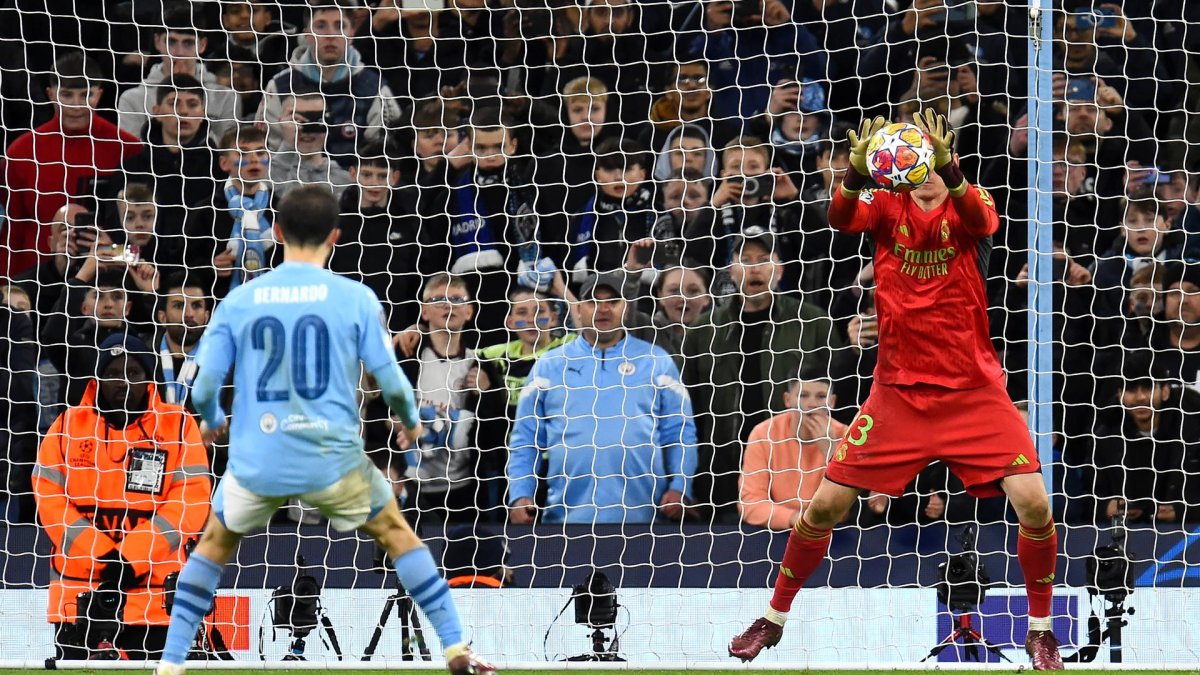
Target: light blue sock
x,y
429,590
193,596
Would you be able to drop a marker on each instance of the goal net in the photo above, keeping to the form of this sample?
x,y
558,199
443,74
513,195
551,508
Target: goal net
x,y
599,231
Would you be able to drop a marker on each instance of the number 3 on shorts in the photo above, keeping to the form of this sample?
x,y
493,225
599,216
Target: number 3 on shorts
x,y
860,426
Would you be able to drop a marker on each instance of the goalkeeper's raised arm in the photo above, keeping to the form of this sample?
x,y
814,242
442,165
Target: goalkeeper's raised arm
x,y
851,210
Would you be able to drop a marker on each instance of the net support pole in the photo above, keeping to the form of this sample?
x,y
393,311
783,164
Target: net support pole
x,y
1041,241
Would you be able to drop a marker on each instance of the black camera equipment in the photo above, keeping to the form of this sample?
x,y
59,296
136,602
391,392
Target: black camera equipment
x,y
962,583
297,608
596,607
1109,576
209,643
97,621
411,636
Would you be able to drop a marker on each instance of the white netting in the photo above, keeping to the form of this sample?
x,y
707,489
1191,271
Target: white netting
x,y
523,146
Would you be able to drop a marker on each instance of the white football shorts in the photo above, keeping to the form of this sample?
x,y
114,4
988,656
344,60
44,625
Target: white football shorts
x,y
348,504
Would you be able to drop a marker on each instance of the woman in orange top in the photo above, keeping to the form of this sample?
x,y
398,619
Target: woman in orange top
x,y
786,455
122,481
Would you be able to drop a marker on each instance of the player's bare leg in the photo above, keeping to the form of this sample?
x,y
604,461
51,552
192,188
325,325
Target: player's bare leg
x,y
1037,553
392,533
806,547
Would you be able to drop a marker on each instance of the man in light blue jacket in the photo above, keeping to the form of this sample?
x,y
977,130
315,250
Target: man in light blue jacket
x,y
609,415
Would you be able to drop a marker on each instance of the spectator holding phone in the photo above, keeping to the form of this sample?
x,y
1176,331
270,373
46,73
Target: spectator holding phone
x,y
796,122
752,42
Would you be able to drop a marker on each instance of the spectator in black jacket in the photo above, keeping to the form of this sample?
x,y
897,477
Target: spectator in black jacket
x,y
1147,455
179,164
382,243
623,211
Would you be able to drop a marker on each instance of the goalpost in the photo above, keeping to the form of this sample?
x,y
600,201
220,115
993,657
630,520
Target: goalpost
x,y
522,146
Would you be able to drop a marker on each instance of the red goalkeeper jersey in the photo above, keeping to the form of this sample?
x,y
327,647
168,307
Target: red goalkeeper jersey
x,y
931,297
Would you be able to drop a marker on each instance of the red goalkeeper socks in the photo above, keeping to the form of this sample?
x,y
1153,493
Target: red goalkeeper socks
x,y
1037,552
806,548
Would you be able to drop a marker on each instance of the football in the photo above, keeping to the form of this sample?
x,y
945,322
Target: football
x,y
900,157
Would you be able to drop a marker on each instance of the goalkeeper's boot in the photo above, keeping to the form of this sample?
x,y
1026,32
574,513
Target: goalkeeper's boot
x,y
165,668
1042,647
468,663
762,634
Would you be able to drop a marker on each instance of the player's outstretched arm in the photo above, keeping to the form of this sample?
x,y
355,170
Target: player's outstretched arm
x,y
846,212
974,206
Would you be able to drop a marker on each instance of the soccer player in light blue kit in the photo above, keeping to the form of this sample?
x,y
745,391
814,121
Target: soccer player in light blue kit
x,y
297,336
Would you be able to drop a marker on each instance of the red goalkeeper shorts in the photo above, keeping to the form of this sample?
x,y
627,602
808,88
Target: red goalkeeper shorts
x,y
977,433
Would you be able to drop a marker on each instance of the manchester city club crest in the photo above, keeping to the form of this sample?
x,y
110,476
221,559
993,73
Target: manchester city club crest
x,y
626,368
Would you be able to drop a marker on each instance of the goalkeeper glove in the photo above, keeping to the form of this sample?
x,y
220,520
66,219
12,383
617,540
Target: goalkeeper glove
x,y
859,142
940,135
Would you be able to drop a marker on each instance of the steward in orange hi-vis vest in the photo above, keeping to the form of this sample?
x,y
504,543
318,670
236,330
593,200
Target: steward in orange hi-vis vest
x,y
122,482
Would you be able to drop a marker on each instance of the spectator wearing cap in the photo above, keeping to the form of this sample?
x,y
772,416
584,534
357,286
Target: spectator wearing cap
x,y
749,48
180,41
1147,455
739,359
608,416
121,481
48,166
301,158
359,105
476,558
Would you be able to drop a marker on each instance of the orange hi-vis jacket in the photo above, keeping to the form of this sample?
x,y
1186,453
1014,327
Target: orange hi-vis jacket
x,y
141,491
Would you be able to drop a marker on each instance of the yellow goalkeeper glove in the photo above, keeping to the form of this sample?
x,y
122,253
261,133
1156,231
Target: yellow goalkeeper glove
x,y
859,141
940,135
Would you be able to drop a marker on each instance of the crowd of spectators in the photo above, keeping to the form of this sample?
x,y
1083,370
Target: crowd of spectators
x,y
599,233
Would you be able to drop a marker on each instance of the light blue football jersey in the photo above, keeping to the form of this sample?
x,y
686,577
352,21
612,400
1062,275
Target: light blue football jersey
x,y
295,338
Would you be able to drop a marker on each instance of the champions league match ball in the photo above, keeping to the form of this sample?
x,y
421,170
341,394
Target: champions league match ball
x,y
900,157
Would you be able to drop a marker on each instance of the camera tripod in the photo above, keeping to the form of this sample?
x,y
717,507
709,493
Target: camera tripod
x,y
1114,615
411,634
971,640
600,652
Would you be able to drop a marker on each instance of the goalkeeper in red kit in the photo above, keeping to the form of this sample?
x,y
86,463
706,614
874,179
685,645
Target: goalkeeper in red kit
x,y
939,390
